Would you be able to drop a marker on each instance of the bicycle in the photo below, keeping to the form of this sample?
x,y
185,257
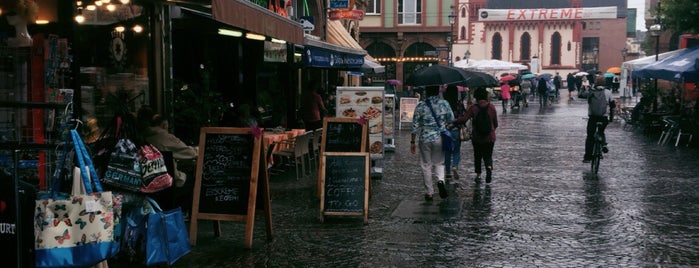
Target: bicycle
x,y
597,149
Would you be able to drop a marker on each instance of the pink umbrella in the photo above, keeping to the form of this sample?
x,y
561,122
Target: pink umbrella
x,y
507,77
462,89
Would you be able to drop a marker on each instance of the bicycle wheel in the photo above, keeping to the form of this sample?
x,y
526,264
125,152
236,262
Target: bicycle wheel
x,y
596,156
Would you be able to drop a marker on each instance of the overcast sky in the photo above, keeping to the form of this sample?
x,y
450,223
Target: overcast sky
x,y
640,7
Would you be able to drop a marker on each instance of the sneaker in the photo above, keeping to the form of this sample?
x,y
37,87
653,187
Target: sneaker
x,y
442,189
488,176
477,179
428,197
605,149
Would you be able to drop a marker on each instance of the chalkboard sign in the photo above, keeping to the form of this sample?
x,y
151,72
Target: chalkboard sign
x,y
345,184
344,135
229,166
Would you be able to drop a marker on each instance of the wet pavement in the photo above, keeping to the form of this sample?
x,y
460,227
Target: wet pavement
x,y
543,209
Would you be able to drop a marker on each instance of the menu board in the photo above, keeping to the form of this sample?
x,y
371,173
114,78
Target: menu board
x,y
407,108
388,121
229,166
343,135
367,103
345,181
225,173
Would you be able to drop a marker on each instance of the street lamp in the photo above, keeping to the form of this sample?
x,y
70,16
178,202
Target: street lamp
x,y
452,19
655,31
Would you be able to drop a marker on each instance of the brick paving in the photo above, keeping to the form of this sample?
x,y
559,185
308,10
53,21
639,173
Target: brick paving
x,y
543,208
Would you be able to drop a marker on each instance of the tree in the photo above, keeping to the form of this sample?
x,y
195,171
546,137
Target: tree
x,y
680,16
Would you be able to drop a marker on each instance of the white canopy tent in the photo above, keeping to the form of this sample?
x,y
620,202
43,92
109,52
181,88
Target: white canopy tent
x,y
628,66
490,66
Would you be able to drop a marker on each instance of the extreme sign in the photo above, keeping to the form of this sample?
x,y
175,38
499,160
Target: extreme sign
x,y
548,14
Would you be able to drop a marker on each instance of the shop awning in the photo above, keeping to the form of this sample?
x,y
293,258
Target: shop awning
x,y
321,54
338,35
254,18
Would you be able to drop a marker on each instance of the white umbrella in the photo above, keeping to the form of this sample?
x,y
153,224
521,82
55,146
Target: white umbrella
x,y
581,73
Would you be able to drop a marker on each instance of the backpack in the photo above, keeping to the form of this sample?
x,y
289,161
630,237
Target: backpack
x,y
481,123
598,102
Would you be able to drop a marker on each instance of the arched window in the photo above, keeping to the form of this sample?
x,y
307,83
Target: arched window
x,y
556,49
462,33
497,47
525,46
463,12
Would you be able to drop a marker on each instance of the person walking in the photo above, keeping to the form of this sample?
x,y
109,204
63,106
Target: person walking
x,y
505,95
427,129
526,87
484,124
570,80
452,159
313,107
542,91
599,100
557,83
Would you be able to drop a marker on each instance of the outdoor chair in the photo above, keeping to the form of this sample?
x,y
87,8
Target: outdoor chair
x,y
297,152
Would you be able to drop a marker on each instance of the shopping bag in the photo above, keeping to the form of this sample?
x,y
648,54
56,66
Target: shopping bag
x,y
153,170
447,141
465,132
166,239
77,230
124,168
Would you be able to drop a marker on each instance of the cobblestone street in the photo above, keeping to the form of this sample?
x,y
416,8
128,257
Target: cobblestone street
x,y
543,209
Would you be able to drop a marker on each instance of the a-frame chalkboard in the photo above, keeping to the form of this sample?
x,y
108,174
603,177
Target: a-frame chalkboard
x,y
231,180
345,185
342,135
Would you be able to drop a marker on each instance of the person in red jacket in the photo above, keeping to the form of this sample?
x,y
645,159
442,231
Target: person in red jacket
x,y
482,144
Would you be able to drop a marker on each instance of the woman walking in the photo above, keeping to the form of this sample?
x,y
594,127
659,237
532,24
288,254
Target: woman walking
x,y
483,137
452,159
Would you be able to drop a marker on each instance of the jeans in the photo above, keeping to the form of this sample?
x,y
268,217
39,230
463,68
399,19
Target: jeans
x,y
453,158
431,163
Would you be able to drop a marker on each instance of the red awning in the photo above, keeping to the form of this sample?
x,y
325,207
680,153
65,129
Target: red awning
x,y
254,18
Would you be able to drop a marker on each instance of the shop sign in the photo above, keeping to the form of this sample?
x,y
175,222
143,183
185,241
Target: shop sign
x,y
548,14
319,57
343,14
340,4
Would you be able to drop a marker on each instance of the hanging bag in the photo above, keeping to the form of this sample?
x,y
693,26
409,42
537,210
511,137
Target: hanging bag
x,y
166,239
447,139
76,230
153,170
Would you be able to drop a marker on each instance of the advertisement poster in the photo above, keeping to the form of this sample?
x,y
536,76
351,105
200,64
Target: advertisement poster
x,y
367,102
388,120
407,108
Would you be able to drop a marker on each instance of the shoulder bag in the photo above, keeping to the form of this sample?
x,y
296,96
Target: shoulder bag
x,y
447,139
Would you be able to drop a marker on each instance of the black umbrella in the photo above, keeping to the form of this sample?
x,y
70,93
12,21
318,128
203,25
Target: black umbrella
x,y
479,79
437,75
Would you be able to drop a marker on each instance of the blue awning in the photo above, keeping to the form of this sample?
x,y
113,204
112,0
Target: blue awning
x,y
321,54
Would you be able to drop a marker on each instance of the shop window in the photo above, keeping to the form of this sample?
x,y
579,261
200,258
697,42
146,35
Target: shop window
x,y
112,50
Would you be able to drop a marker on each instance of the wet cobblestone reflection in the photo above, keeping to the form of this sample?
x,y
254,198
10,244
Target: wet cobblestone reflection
x,y
543,208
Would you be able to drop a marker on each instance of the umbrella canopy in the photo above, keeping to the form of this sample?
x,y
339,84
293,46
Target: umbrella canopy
x,y
437,75
527,76
614,70
581,74
393,82
546,76
607,75
507,77
479,79
679,66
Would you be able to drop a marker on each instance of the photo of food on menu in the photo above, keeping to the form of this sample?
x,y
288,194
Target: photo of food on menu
x,y
367,102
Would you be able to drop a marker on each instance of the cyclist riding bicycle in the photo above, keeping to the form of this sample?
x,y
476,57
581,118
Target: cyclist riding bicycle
x,y
599,101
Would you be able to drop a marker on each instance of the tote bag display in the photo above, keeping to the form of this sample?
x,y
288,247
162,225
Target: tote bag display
x,y
78,230
166,239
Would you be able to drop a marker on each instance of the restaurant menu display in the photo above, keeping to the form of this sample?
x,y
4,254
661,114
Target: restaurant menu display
x,y
388,120
367,102
407,107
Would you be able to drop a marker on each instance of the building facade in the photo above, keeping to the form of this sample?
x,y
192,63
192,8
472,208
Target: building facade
x,y
548,36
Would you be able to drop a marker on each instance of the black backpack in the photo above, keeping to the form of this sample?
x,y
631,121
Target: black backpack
x,y
481,123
